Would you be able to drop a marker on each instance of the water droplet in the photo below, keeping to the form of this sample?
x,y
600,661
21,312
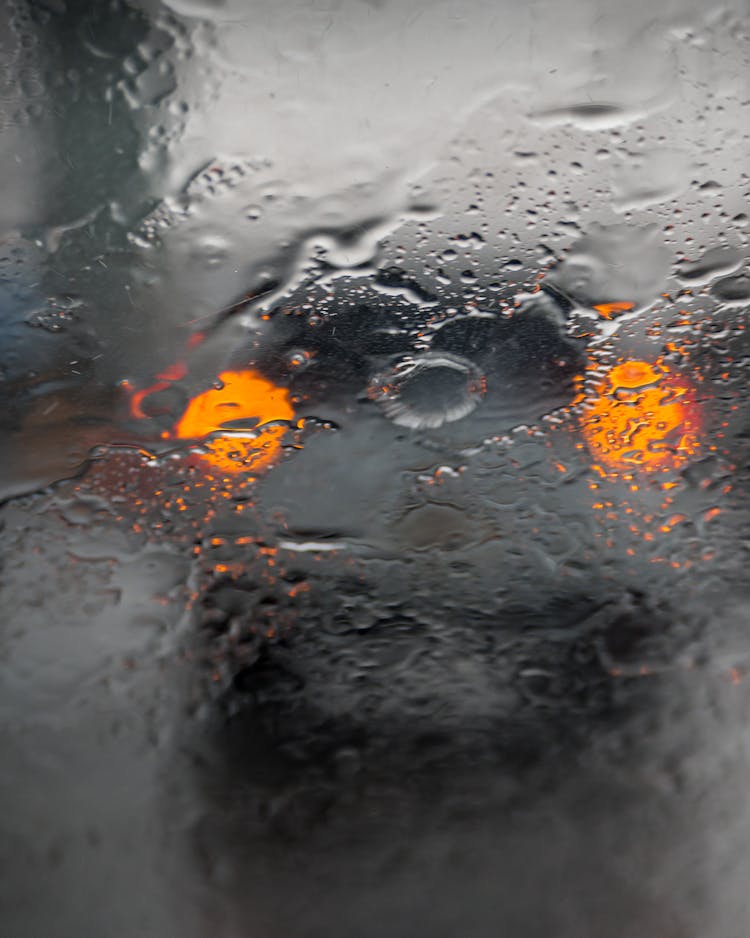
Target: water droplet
x,y
211,251
650,177
732,289
613,263
716,261
428,391
298,359
203,9
590,116
431,525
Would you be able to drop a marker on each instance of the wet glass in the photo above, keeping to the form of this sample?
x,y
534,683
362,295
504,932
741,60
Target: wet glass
x,y
375,462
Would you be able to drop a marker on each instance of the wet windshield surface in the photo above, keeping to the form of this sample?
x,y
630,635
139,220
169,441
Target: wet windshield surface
x,y
375,470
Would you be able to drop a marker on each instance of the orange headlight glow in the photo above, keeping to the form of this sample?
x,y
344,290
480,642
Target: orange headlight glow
x,y
242,396
641,417
229,420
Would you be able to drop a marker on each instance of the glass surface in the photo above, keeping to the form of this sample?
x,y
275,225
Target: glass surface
x,y
375,467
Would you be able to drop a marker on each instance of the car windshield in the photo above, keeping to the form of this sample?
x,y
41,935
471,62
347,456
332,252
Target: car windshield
x,y
375,467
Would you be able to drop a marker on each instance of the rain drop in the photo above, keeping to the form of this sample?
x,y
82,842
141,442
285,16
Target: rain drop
x,y
428,391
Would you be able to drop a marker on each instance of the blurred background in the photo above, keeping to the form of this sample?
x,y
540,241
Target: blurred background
x,y
375,466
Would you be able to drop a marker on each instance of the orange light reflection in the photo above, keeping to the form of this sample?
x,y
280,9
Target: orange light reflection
x,y
608,310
